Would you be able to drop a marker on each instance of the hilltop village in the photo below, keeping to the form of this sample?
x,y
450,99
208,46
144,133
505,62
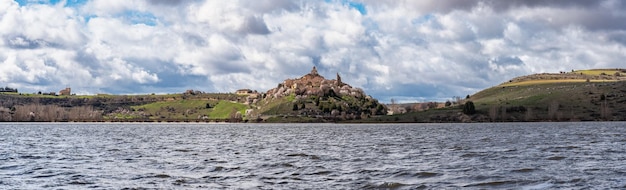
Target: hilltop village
x,y
314,95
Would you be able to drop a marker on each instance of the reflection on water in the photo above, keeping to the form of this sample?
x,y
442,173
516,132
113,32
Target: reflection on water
x,y
301,156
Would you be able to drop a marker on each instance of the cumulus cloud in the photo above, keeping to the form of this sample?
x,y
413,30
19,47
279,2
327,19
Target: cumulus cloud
x,y
410,50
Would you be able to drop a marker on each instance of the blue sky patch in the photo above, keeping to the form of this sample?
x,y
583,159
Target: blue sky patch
x,y
89,17
136,17
358,6
422,19
354,5
69,3
73,3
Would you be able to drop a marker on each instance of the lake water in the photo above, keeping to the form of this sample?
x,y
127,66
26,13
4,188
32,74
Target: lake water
x,y
313,156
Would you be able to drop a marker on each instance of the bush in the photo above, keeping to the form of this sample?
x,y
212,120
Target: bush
x,y
602,97
469,108
518,109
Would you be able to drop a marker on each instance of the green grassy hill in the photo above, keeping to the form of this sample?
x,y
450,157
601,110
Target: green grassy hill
x,y
558,101
585,95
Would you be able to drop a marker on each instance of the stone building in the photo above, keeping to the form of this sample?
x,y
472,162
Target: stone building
x,y
243,92
65,92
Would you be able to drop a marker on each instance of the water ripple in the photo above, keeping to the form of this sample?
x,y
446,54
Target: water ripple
x,y
312,156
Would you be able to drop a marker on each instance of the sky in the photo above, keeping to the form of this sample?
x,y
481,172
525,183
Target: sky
x,y
406,50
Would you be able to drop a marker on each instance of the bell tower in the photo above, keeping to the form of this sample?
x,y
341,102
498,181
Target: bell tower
x,y
339,80
314,71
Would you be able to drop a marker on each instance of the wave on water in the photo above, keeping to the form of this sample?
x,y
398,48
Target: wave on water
x,y
313,156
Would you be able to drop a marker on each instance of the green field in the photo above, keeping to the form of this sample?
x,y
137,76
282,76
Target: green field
x,y
191,109
539,82
177,109
597,72
224,109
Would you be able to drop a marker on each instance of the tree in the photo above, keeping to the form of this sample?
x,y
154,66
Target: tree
x,y
394,107
604,108
493,113
295,107
529,115
235,116
602,97
469,108
448,103
553,109
503,113
457,100
380,110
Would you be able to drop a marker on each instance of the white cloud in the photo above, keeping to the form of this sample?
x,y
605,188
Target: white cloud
x,y
416,49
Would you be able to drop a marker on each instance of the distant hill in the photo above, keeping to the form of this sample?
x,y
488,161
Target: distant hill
x,y
584,95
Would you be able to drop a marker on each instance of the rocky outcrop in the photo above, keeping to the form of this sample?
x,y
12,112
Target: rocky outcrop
x,y
312,94
313,84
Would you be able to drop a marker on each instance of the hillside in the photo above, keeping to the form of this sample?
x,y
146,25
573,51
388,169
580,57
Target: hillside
x,y
310,98
188,106
595,75
585,95
313,98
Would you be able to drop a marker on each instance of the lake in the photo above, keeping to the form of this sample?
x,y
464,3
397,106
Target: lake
x,y
313,156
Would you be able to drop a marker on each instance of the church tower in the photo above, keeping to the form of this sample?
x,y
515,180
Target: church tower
x,y
314,71
339,80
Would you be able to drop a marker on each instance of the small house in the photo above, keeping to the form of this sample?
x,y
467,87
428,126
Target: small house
x,y
65,92
243,92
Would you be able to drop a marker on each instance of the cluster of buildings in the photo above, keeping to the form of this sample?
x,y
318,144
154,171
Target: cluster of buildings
x,y
64,92
312,80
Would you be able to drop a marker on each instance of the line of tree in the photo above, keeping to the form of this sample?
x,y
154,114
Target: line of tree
x,y
8,89
36,112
